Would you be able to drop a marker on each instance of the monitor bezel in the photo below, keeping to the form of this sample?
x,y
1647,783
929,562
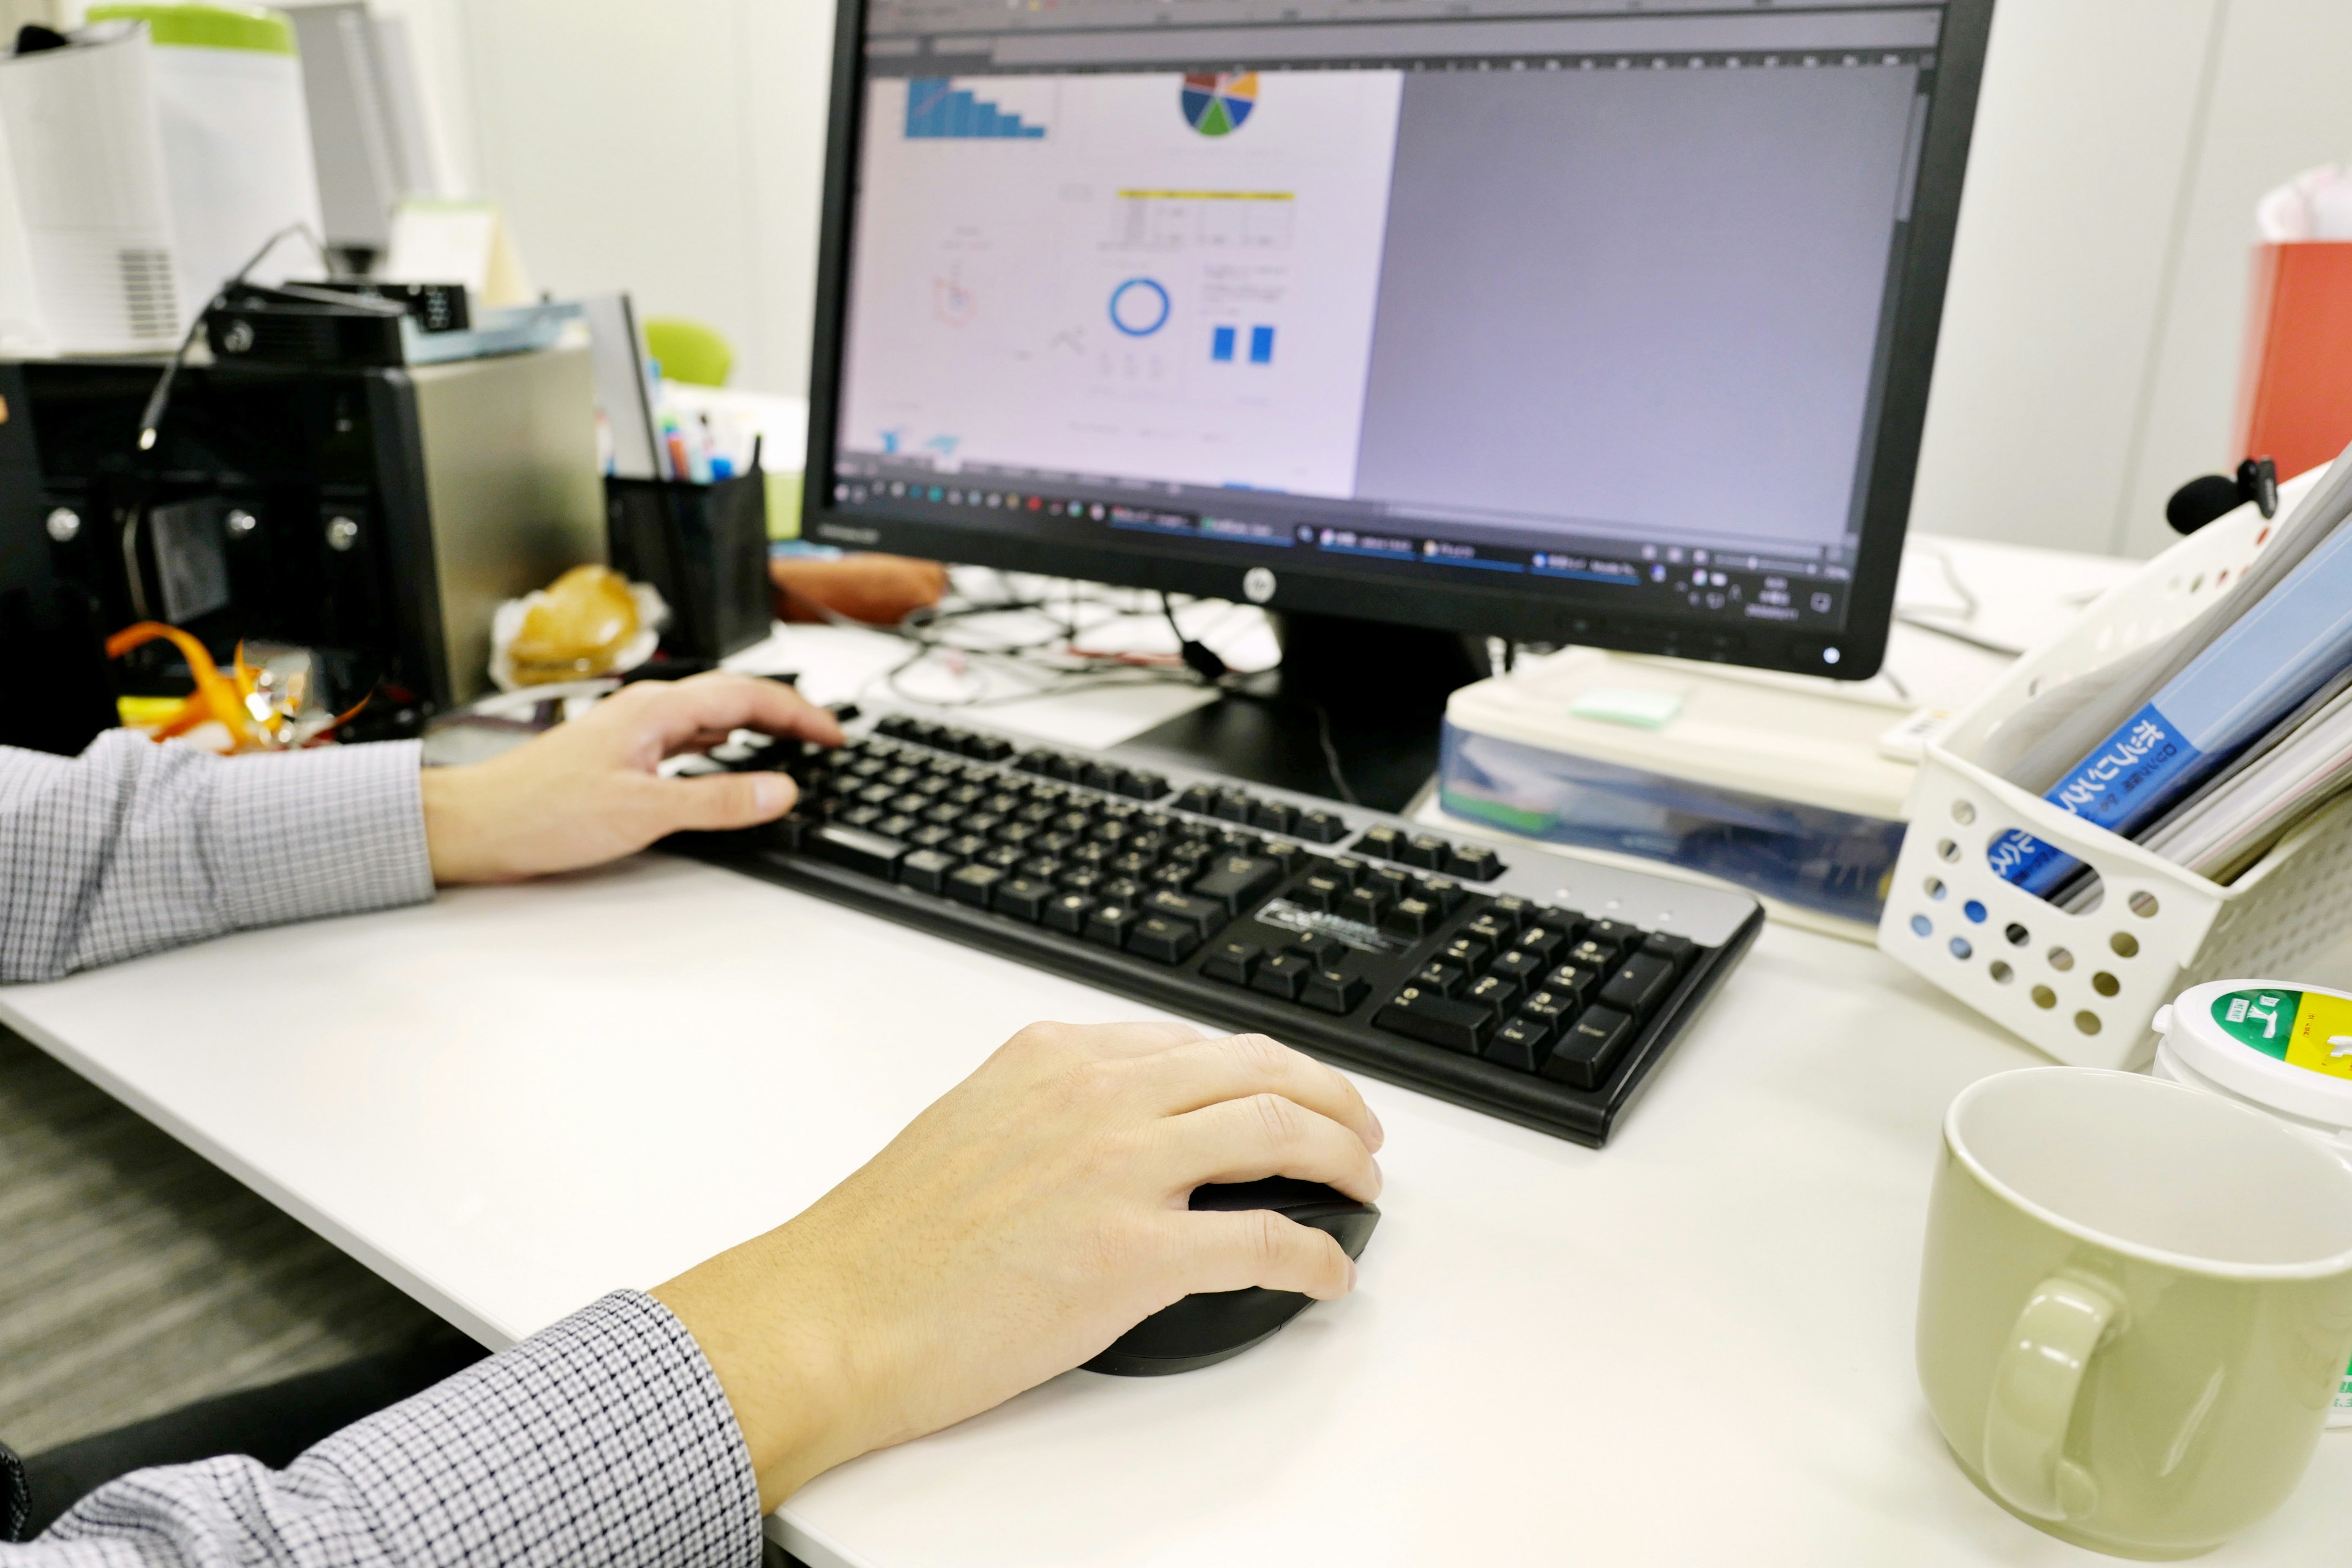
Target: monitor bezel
x,y
1484,606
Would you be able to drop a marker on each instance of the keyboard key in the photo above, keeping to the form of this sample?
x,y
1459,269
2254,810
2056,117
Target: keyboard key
x,y
1022,897
860,816
1285,854
1518,966
1282,975
1239,881
1542,941
1120,891
1136,785
1380,843
1233,961
1325,952
1616,932
1045,867
926,871
1593,954
1573,980
1080,879
1410,918
1365,904
1444,892
1320,827
1274,816
1678,950
1003,857
1552,1009
973,884
785,833
1496,933
1467,952
931,837
988,748
1639,985
1099,774
1321,891
1584,1055
1110,923
1473,863
1442,978
1229,806
860,851
1521,1045
1425,850
1492,990
1068,912
1438,1020
1512,909
1163,939
1202,914
1197,799
1330,990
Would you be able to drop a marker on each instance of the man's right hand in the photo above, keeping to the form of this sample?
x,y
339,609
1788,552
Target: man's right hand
x,y
1015,1228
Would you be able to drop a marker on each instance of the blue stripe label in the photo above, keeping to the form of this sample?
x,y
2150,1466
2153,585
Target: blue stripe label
x,y
2122,786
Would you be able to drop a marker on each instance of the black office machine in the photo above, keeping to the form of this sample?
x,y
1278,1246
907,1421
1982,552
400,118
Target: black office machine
x,y
375,515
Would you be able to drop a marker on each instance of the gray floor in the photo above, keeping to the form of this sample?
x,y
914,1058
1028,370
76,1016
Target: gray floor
x,y
134,1276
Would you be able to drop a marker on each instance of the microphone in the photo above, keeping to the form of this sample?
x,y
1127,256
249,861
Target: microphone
x,y
2211,496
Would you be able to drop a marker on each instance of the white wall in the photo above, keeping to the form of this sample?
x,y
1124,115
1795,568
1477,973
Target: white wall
x,y
672,151
2092,333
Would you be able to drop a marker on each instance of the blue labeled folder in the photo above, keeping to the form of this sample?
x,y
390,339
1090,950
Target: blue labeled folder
x,y
2250,678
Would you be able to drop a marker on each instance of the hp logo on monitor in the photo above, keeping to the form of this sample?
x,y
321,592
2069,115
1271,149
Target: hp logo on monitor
x,y
1258,583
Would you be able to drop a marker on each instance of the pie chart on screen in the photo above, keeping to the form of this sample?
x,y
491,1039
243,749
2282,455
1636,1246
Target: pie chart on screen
x,y
1217,102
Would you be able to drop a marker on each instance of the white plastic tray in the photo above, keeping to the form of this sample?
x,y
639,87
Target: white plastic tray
x,y
2084,986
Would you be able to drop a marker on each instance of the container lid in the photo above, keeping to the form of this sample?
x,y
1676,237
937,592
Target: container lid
x,y
195,27
2277,1043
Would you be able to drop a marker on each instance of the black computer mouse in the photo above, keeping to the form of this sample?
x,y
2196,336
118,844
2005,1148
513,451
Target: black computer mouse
x,y
1202,1331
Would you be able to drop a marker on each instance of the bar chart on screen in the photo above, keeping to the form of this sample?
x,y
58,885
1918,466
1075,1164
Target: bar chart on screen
x,y
939,109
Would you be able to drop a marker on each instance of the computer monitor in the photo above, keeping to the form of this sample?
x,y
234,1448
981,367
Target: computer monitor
x,y
1602,322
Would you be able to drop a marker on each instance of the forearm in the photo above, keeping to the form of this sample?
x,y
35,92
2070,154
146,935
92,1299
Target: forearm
x,y
604,1438
133,847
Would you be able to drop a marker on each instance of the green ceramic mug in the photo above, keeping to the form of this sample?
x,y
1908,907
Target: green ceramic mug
x,y
2136,1305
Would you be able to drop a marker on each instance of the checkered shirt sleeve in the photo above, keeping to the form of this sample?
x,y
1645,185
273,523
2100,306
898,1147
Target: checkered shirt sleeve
x,y
132,846
603,1441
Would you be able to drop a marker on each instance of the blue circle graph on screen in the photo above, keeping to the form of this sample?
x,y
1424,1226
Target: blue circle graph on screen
x,y
1138,307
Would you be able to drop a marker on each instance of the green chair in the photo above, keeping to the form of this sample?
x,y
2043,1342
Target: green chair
x,y
688,351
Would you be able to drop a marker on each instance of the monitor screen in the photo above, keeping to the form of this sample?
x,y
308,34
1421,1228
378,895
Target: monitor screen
x,y
1609,319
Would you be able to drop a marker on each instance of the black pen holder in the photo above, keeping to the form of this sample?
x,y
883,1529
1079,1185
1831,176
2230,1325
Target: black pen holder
x,y
705,547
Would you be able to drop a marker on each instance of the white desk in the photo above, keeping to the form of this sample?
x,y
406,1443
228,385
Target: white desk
x,y
1694,1346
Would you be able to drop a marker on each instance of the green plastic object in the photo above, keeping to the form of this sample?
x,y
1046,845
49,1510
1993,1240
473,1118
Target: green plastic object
x,y
688,351
191,27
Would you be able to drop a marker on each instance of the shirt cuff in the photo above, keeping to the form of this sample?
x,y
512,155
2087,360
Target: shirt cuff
x,y
337,830
603,1438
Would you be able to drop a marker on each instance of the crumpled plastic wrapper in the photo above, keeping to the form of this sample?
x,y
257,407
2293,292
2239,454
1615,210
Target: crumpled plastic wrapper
x,y
590,622
2315,205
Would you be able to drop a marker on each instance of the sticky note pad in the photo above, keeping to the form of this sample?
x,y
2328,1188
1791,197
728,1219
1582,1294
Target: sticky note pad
x,y
1628,705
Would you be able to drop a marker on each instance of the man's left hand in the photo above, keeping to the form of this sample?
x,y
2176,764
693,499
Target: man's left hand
x,y
587,791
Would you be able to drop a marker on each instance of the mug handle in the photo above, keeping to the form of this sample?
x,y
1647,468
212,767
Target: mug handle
x,y
2035,1388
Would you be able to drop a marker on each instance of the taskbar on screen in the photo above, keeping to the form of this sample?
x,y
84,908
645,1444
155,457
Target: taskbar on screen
x,y
1794,593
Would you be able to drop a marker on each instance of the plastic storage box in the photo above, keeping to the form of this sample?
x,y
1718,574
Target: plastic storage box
x,y
1777,783
2084,985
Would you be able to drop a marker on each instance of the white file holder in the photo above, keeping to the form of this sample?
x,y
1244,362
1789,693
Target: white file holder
x,y
2084,986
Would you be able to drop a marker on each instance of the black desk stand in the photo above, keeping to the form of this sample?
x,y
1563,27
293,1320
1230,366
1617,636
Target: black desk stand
x,y
1364,699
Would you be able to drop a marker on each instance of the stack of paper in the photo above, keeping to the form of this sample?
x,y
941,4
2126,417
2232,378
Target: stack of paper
x,y
2209,746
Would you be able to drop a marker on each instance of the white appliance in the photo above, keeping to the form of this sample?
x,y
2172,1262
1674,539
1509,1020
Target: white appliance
x,y
153,157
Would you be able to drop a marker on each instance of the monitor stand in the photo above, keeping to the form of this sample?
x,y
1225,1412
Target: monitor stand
x,y
1376,691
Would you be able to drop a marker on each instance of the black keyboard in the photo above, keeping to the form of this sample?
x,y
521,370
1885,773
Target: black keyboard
x,y
1534,987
